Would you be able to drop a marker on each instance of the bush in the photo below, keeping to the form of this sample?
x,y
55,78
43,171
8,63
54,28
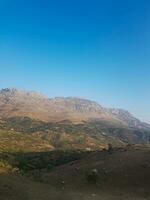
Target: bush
x,y
93,177
110,148
5,164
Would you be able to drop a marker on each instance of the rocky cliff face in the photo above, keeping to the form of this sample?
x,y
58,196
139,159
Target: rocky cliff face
x,y
21,103
128,118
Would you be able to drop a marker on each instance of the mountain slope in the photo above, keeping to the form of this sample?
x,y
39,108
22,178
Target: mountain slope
x,y
14,102
128,118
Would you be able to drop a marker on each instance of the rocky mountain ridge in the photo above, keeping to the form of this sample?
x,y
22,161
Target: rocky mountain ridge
x,y
20,103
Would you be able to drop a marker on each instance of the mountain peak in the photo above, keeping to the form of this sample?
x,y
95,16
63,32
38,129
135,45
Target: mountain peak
x,y
9,90
14,92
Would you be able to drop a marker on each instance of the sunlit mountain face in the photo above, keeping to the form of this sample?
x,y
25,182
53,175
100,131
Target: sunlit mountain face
x,y
14,102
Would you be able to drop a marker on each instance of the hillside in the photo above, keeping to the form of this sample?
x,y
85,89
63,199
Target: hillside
x,y
30,121
122,175
14,102
49,146
26,134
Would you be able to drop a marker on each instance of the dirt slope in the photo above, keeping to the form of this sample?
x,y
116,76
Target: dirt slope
x,y
123,175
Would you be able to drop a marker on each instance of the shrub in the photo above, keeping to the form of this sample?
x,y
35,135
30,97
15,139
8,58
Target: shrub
x,y
93,177
110,148
5,164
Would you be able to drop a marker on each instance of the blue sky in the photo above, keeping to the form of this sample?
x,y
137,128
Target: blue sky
x,y
96,49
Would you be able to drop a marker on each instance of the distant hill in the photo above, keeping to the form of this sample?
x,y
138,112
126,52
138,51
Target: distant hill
x,y
14,102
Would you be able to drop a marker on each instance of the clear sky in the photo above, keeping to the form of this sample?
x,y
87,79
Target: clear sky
x,y
96,49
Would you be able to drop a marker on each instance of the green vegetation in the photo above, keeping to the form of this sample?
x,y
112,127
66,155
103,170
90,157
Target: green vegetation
x,y
5,164
12,141
29,146
64,136
24,135
31,162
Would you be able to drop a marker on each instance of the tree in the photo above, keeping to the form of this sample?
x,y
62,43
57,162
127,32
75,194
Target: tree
x,y
110,148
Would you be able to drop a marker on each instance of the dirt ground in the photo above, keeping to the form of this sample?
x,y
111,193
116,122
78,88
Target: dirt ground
x,y
123,175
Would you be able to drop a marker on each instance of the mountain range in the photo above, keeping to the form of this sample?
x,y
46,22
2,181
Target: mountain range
x,y
36,122
56,143
20,103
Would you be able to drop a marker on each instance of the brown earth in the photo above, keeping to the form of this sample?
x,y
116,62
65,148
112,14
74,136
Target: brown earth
x,y
123,175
